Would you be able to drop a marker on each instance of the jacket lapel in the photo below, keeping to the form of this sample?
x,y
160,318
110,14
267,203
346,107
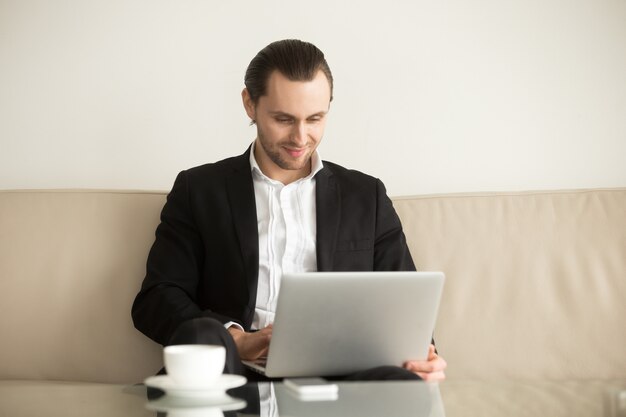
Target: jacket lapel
x,y
243,208
328,209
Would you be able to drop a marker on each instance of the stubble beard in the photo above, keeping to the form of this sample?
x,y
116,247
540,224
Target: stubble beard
x,y
275,156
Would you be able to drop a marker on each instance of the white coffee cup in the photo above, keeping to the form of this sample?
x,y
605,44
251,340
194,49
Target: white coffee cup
x,y
194,365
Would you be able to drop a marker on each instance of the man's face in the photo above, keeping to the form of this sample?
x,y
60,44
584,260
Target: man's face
x,y
290,121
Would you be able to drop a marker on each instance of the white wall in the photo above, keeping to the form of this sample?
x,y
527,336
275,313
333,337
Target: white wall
x,y
431,96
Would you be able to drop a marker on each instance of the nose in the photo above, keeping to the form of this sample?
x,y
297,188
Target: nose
x,y
299,134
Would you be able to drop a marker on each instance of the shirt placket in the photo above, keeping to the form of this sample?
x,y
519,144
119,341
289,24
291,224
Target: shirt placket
x,y
276,243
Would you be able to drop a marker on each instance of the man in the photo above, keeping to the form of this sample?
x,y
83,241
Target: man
x,y
229,230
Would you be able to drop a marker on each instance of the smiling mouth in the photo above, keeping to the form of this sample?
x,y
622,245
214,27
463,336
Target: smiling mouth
x,y
295,153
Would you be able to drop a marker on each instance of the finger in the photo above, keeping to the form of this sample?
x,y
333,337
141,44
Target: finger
x,y
257,353
435,365
417,367
264,352
432,376
255,346
263,347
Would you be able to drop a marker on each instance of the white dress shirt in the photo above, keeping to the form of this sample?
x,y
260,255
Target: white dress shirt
x,y
286,222
287,233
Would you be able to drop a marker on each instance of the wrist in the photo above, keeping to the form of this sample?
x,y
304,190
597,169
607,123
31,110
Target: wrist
x,y
236,332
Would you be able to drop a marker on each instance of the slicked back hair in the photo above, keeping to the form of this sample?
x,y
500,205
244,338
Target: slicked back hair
x,y
296,60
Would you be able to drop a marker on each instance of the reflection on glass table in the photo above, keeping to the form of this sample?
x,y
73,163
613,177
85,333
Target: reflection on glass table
x,y
275,399
600,398
452,398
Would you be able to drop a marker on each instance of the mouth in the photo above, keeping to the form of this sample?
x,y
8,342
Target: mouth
x,y
295,153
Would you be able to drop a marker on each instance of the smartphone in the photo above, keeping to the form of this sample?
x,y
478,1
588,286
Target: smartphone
x,y
312,387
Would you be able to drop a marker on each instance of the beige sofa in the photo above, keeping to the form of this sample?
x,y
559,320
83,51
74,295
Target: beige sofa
x,y
536,282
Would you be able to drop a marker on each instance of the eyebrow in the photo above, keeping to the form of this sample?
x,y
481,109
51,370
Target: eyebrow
x,y
284,114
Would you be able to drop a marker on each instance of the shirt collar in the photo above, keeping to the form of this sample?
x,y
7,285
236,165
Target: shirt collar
x,y
316,165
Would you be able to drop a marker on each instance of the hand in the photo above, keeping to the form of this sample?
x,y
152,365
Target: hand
x,y
429,370
251,346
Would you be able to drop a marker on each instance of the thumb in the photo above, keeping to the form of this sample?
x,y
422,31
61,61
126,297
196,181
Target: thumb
x,y
431,352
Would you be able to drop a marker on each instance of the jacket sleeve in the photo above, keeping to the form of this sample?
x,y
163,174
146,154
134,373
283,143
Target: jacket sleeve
x,y
168,295
391,252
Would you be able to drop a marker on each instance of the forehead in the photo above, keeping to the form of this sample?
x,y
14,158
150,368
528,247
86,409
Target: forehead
x,y
296,97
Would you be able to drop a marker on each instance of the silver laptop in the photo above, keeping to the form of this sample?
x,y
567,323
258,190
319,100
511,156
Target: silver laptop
x,y
337,323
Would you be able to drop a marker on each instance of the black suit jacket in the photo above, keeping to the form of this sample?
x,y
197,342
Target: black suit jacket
x,y
205,259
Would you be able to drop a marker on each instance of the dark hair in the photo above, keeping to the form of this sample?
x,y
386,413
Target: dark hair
x,y
295,59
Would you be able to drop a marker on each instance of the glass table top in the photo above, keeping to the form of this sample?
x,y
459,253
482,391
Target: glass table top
x,y
450,398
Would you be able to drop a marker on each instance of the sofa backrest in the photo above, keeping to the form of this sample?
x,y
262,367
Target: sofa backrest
x,y
535,284
71,263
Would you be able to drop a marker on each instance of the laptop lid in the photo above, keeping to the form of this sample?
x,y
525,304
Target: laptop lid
x,y
337,323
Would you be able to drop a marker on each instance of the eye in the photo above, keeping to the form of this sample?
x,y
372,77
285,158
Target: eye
x,y
283,120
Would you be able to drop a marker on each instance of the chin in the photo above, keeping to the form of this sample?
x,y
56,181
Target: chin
x,y
295,165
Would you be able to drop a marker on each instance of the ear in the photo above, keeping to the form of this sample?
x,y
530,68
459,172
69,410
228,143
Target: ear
x,y
248,104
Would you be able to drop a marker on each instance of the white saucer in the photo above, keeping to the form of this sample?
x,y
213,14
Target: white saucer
x,y
215,390
205,406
